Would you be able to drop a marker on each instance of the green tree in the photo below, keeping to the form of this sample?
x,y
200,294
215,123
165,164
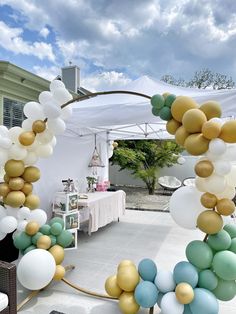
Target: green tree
x,y
145,157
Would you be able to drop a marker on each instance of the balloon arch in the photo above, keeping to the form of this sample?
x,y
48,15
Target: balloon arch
x,y
195,285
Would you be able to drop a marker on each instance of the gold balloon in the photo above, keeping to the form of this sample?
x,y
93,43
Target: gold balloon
x,y
31,174
27,188
180,135
16,184
204,168
4,189
193,120
225,207
196,144
181,105
6,178
58,253
14,168
112,287
209,222
26,138
127,303
228,132
15,199
172,126
32,201
128,278
44,242
125,262
39,126
211,130
208,200
184,293
32,228
211,109
59,273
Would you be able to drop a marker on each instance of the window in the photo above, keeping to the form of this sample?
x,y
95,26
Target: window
x,y
13,114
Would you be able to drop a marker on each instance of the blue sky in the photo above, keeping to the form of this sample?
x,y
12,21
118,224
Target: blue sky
x,y
116,41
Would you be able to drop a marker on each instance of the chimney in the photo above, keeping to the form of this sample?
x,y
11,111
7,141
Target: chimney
x,y
71,77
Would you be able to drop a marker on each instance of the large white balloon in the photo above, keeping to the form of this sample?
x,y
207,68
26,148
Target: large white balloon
x,y
229,193
45,97
57,126
217,146
170,305
185,206
36,269
17,152
51,110
38,215
215,184
45,137
165,281
31,158
34,111
14,133
222,167
4,131
66,112
56,84
3,156
5,142
12,211
8,224
23,213
21,225
61,95
53,141
44,151
3,212
2,235
231,177
27,124
211,156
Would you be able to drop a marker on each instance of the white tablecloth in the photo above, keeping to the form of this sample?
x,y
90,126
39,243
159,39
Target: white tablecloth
x,y
103,207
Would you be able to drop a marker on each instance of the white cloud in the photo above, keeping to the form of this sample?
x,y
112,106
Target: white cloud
x,y
49,73
44,32
10,39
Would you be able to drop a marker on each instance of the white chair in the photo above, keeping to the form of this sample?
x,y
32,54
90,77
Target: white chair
x,y
169,183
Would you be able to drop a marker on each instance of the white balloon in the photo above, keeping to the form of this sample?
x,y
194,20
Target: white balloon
x,y
222,167
23,213
45,137
17,152
39,216
5,142
181,160
56,84
14,133
185,206
217,146
2,235
61,95
51,110
170,305
8,224
45,97
229,193
32,147
21,225
44,151
27,124
215,184
11,211
165,281
231,177
57,126
36,269
212,157
66,112
3,156
230,153
53,141
34,111
3,212
31,158
4,131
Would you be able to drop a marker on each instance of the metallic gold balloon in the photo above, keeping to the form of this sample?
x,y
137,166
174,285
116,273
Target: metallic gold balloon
x,y
209,222
32,228
15,199
125,262
31,174
14,168
193,120
6,178
211,109
184,293
4,189
44,242
181,105
59,273
204,168
211,130
128,278
172,126
208,200
225,207
27,188
16,184
127,303
39,126
228,132
112,287
26,138
58,253
32,201
180,135
196,144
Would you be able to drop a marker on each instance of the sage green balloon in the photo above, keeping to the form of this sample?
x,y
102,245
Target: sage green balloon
x,y
231,229
65,238
30,248
36,237
219,241
169,100
225,290
45,229
53,240
57,219
56,228
157,101
155,111
224,265
22,241
199,254
232,247
165,114
207,279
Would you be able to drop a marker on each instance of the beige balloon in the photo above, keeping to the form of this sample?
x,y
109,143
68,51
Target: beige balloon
x,y
225,207
128,278
209,222
172,126
112,287
31,174
27,138
204,168
39,126
196,144
127,303
200,184
14,168
32,228
27,188
212,109
184,293
4,189
15,199
125,262
228,132
181,105
59,273
211,130
193,120
208,200
44,242
32,201
58,253
16,184
180,135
